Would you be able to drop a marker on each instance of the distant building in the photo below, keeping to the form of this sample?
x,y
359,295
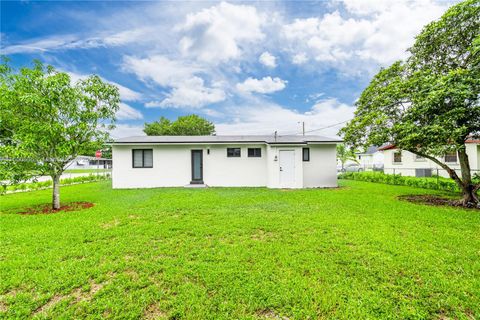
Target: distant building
x,y
408,164
87,162
371,158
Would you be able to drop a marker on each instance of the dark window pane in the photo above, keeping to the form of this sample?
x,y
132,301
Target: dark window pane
x,y
233,152
397,157
306,154
451,157
148,158
137,158
255,152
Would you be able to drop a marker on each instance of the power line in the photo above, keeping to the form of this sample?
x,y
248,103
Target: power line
x,y
319,129
330,126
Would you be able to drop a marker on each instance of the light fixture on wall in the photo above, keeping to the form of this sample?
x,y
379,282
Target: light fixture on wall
x,y
208,151
275,159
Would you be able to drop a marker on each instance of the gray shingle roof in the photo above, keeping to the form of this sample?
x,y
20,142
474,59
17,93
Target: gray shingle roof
x,y
370,150
270,139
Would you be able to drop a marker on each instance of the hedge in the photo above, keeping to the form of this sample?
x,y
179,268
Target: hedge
x,y
435,183
46,184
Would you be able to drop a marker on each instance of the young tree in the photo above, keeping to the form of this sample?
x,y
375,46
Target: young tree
x,y
345,154
191,125
49,121
429,104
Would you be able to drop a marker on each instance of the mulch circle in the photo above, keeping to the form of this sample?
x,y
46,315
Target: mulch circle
x,y
47,208
434,200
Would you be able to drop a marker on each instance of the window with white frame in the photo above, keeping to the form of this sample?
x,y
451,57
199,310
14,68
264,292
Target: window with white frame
x,y
419,158
451,157
397,157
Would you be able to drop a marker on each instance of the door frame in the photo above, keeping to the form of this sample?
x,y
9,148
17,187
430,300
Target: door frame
x,y
197,181
281,169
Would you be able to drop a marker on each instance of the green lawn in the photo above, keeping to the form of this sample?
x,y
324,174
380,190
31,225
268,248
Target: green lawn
x,y
221,253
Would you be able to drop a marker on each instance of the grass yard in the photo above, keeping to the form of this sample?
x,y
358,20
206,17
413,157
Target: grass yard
x,y
353,253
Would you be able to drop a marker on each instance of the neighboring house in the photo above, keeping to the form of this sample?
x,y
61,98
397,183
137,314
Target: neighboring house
x,y
370,159
409,164
227,161
87,162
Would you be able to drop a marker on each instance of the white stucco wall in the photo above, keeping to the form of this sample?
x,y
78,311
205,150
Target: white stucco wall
x,y
172,166
410,163
321,170
219,170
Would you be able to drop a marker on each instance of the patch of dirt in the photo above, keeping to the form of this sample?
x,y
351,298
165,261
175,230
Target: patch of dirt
x,y
434,200
80,295
111,224
154,312
269,314
132,274
47,208
50,303
261,235
3,307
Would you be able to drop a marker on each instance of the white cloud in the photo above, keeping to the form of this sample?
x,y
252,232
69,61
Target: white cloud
x,y
264,118
126,94
300,58
75,41
268,60
126,112
187,89
364,7
220,32
375,31
160,69
264,85
191,93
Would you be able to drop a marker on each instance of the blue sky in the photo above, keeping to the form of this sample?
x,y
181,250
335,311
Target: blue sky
x,y
250,67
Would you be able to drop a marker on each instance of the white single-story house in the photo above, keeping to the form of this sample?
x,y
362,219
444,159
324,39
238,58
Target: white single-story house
x,y
225,161
409,164
371,158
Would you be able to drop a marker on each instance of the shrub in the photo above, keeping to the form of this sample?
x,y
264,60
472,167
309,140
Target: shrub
x,y
435,183
48,183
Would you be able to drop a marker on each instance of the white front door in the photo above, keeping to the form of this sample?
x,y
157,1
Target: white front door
x,y
287,168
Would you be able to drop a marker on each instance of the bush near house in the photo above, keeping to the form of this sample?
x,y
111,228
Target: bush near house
x,y
434,183
46,184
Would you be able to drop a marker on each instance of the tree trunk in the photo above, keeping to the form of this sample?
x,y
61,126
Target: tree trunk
x,y
56,192
468,189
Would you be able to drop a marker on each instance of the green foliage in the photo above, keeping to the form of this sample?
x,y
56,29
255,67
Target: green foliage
x,y
428,104
434,183
355,252
191,125
48,183
345,154
47,120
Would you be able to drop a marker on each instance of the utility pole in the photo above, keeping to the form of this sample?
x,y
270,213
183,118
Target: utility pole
x,y
303,126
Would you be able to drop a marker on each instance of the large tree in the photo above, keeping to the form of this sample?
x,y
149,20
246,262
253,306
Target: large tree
x,y
429,104
47,121
191,125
